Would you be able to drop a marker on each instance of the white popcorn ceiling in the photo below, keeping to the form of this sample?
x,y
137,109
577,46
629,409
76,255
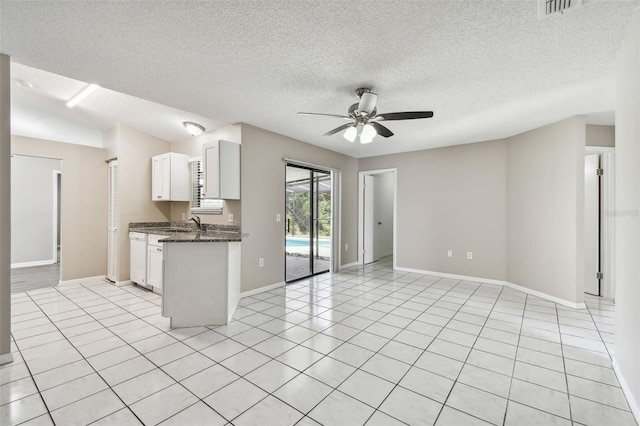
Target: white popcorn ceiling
x,y
488,69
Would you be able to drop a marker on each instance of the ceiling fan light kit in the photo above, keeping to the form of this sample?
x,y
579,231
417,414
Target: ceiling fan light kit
x,y
365,125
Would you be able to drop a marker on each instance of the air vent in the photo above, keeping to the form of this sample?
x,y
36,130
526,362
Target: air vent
x,y
552,7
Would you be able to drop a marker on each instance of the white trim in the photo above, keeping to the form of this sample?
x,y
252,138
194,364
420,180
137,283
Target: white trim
x,y
80,280
590,149
55,214
626,389
498,282
311,165
549,297
261,289
361,176
6,358
347,265
34,263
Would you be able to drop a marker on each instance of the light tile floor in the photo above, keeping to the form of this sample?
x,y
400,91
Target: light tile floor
x,y
363,346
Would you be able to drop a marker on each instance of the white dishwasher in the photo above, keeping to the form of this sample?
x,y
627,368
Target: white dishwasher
x,y
138,258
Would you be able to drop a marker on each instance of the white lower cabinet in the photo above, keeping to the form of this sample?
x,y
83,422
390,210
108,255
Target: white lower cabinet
x,y
154,261
138,258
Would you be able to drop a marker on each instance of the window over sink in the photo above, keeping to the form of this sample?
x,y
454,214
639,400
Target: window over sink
x,y
199,204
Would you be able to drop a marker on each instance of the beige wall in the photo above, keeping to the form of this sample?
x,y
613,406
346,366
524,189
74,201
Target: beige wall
x,y
627,219
450,199
134,150
545,209
263,176
193,148
84,203
600,135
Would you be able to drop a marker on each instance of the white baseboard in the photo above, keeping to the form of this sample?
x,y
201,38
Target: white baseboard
x,y
34,263
549,297
6,358
261,289
532,292
626,390
349,265
80,280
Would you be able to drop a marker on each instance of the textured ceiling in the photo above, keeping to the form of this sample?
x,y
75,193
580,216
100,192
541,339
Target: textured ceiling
x,y
488,69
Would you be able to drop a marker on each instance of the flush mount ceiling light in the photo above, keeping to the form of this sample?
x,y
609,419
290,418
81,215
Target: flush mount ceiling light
x,y
194,129
82,94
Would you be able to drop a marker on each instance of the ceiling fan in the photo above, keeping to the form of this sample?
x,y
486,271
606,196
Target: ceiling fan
x,y
366,120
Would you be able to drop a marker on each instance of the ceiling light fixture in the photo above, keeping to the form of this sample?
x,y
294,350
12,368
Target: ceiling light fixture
x,y
363,133
194,129
82,94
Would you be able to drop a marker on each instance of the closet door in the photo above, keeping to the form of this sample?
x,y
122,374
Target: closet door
x,y
113,216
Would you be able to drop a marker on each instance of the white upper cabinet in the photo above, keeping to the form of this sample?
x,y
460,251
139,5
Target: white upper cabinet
x,y
221,161
170,177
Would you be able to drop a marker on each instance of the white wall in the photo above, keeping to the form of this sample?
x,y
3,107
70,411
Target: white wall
x,y
627,216
384,189
545,209
263,195
450,199
83,237
32,210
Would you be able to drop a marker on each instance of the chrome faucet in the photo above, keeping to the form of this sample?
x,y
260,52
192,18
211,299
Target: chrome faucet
x,y
196,219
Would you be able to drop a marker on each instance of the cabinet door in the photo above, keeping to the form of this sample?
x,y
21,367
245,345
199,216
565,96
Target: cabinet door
x,y
154,266
211,158
138,261
166,176
156,178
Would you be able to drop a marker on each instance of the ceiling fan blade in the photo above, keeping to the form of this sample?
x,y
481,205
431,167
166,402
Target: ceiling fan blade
x,y
338,129
367,102
408,115
325,115
381,130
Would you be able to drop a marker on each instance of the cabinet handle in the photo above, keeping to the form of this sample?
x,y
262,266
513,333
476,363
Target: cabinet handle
x,y
159,196
158,249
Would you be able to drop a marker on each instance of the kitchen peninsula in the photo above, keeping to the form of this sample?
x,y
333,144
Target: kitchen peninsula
x,y
200,277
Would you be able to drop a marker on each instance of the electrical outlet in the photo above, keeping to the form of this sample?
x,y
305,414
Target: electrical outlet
x,y
261,262
449,253
346,247
469,255
231,218
184,216
277,217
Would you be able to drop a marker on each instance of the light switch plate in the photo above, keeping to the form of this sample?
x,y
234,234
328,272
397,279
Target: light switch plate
x,y
231,218
277,217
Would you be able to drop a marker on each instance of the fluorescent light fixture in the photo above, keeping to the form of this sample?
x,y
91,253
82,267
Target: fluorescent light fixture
x,y
82,94
350,134
367,134
194,129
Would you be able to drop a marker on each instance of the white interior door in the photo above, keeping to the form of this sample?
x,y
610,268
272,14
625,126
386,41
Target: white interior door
x,y
368,219
592,224
113,217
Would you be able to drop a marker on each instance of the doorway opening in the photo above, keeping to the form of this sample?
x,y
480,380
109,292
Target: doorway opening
x,y
377,215
308,230
599,193
35,225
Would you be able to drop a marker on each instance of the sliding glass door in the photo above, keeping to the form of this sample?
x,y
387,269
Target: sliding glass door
x,y
308,222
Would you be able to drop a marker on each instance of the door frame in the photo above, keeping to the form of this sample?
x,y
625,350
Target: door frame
x,y
334,179
56,191
607,219
361,212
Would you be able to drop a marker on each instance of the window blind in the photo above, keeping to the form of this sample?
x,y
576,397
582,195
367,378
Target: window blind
x,y
199,204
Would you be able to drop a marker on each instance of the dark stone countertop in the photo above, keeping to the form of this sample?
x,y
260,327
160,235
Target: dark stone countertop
x,y
180,232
